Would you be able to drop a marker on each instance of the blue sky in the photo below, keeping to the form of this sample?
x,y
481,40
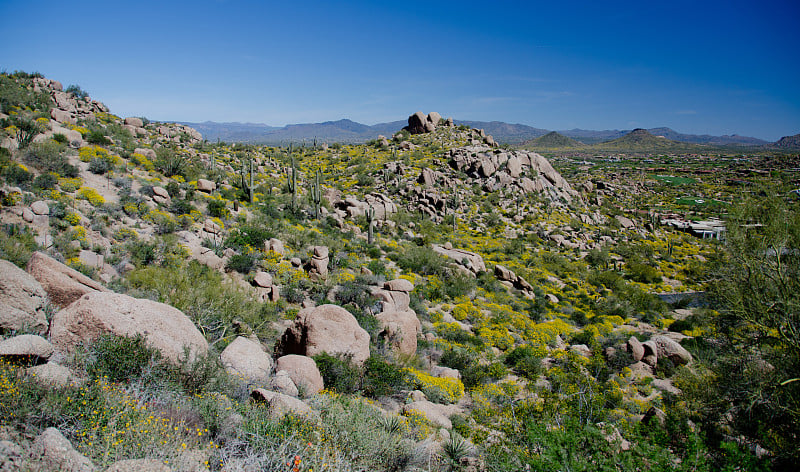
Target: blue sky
x,y
697,67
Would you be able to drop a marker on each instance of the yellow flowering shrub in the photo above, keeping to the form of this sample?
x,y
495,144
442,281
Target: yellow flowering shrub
x,y
72,218
142,162
437,389
466,310
87,153
91,195
70,185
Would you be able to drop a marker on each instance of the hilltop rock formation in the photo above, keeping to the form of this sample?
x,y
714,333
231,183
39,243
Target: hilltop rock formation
x,y
526,170
419,123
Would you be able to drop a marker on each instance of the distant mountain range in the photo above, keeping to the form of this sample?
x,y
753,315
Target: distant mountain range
x,y
348,131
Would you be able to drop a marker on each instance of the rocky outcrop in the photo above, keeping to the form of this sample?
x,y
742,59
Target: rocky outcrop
x,y
63,284
22,300
419,122
395,295
667,348
527,171
326,328
94,314
317,267
245,358
506,275
469,260
351,207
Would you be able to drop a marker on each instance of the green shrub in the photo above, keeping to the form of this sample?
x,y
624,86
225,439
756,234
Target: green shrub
x,y
100,165
121,358
248,235
381,378
217,209
242,263
98,137
49,156
17,244
525,361
339,373
45,181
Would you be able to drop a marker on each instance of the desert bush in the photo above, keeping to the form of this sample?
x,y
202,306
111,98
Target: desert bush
x,y
49,156
121,358
217,209
242,263
17,244
100,165
525,361
203,295
98,137
339,373
380,377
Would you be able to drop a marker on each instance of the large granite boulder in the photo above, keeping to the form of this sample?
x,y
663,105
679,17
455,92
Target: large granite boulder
x,y
63,284
22,300
94,314
245,358
326,328
303,372
400,330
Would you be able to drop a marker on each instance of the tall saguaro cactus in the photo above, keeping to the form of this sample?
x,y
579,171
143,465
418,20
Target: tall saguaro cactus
x,y
316,192
371,224
291,181
455,210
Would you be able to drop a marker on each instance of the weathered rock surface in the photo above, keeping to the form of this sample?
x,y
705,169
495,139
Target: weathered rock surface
x,y
280,404
56,452
469,260
52,375
400,329
635,348
326,328
63,284
303,371
22,300
282,383
669,349
435,413
165,328
26,345
246,358
138,465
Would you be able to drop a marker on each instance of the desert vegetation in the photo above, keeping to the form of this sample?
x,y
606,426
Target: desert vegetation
x,y
492,309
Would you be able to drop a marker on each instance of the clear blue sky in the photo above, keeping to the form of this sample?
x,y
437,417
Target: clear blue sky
x,y
695,66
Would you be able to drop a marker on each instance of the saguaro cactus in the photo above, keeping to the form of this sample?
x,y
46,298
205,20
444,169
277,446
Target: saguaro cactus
x,y
371,224
291,180
316,192
455,210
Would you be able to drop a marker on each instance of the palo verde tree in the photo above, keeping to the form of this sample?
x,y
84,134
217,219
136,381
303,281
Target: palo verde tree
x,y
756,289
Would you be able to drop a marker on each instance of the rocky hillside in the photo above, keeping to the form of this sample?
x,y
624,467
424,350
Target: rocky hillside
x,y
789,142
426,301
